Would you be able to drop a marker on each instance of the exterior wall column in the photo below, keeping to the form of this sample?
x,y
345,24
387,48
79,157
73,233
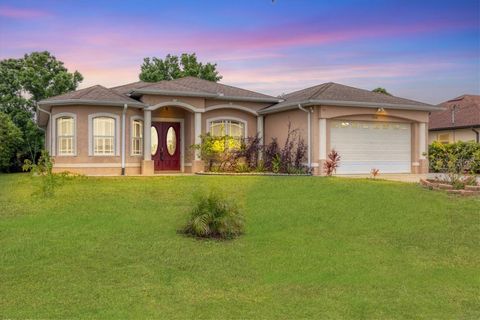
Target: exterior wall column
x,y
322,145
422,147
197,164
260,134
147,163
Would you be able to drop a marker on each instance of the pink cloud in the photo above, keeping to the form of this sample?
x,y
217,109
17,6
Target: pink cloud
x,y
21,13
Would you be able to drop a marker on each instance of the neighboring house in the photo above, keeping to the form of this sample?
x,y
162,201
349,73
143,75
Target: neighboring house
x,y
146,128
459,121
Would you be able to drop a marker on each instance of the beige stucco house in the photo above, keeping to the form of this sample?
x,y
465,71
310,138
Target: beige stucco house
x,y
147,128
459,120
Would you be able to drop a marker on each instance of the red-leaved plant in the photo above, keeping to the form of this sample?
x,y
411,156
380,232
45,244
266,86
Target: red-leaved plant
x,y
331,164
374,172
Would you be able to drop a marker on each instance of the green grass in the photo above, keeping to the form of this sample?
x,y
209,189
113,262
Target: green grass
x,y
314,248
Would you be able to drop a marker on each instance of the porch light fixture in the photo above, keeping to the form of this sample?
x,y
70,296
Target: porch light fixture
x,y
380,110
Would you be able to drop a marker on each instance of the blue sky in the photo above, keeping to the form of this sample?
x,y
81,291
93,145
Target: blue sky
x,y
423,50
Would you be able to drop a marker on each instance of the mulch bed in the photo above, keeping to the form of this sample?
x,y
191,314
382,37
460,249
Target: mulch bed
x,y
251,174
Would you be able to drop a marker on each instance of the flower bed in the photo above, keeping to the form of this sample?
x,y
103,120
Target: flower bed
x,y
440,185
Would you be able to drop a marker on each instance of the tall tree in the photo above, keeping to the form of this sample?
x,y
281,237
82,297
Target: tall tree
x,y
381,90
10,140
25,81
174,67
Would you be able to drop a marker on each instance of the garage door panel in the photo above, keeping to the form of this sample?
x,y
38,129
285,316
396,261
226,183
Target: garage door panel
x,y
366,145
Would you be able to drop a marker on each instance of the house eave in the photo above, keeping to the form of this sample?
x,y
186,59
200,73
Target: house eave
x,y
69,102
359,104
472,126
215,96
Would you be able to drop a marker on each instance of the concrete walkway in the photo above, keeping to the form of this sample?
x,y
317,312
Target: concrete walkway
x,y
402,177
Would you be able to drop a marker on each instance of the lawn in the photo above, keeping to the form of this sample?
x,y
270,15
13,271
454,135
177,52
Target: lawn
x,y
314,248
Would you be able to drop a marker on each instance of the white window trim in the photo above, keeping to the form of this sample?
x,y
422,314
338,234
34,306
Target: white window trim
x,y
132,119
116,147
54,134
245,125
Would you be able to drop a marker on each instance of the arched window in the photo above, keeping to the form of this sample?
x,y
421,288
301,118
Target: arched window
x,y
103,136
65,127
229,127
137,137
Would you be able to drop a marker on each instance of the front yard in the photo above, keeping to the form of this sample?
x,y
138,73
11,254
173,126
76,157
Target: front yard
x,y
314,248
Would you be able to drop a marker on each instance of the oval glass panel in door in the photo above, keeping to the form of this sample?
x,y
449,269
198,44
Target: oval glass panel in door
x,y
154,137
171,141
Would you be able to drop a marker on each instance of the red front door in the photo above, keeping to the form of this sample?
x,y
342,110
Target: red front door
x,y
166,155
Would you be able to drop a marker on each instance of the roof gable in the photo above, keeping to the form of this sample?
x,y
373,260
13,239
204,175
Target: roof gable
x,y
95,93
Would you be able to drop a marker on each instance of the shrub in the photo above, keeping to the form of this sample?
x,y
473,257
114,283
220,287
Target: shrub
x,y
455,158
214,216
43,169
331,164
250,151
220,152
374,172
289,158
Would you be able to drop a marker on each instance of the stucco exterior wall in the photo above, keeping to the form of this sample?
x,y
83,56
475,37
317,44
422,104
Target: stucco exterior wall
x,y
84,163
276,127
454,135
82,157
419,163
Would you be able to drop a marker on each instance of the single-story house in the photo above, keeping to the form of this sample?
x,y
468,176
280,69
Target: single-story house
x,y
459,120
147,128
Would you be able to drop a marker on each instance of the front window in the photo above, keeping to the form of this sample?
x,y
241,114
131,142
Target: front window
x,y
137,137
235,129
66,136
103,136
444,138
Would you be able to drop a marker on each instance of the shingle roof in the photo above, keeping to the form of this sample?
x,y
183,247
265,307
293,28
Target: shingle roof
x,y
91,94
467,113
127,88
334,93
200,87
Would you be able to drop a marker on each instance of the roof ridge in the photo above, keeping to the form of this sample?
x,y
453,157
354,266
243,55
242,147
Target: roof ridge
x,y
226,85
86,90
128,84
116,93
322,88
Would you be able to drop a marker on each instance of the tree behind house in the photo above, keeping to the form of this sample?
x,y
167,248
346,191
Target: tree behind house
x,y
174,67
381,90
24,82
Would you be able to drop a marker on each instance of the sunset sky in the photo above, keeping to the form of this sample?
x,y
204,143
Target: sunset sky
x,y
423,50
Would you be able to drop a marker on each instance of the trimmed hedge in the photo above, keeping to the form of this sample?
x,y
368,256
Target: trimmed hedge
x,y
459,157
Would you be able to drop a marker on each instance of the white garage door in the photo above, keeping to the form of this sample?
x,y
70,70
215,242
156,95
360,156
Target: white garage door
x,y
365,145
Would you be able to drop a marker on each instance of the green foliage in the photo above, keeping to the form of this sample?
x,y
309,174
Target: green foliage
x,y
214,216
10,140
381,90
289,158
219,152
25,81
455,158
174,67
43,170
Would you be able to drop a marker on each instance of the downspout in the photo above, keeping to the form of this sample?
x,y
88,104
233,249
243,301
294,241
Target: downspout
x,y
49,128
309,135
124,112
477,135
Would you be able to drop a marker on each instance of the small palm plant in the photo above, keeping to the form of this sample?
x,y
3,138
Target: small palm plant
x,y
214,216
